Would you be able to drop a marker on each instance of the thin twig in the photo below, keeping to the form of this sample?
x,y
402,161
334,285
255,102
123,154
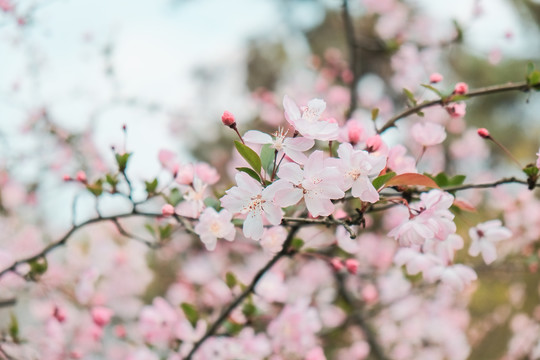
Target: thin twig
x,y
522,86
285,251
125,233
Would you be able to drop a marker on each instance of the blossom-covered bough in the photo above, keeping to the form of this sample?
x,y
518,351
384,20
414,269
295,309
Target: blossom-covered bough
x,y
325,241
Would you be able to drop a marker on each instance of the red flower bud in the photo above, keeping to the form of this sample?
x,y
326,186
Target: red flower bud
x,y
167,210
228,119
351,265
483,132
461,88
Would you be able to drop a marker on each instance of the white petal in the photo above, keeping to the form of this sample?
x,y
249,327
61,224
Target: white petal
x,y
292,112
257,137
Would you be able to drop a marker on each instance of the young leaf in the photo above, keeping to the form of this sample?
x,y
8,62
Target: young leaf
x,y
191,313
175,197
151,186
410,96
297,243
378,182
14,328
441,179
412,179
96,188
250,172
251,156
530,170
230,280
121,160
267,157
150,229
436,91
374,114
249,309
213,203
456,180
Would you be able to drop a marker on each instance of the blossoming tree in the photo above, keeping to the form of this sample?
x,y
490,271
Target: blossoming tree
x,y
342,226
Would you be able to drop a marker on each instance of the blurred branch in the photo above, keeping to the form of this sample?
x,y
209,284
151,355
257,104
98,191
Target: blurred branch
x,y
63,240
358,318
352,43
522,86
285,251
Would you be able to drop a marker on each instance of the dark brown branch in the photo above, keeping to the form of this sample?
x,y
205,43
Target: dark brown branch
x,y
522,86
353,56
285,251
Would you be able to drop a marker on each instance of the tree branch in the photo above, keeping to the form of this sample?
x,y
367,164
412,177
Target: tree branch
x,y
285,251
522,86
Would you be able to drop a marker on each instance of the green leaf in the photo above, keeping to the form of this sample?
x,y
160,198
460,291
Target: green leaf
x,y
191,313
237,222
297,243
251,156
151,186
39,266
150,229
213,203
441,179
530,69
458,97
249,309
456,180
436,91
410,96
230,279
165,231
530,170
14,328
534,78
267,158
175,197
250,172
374,114
121,160
96,188
111,180
378,182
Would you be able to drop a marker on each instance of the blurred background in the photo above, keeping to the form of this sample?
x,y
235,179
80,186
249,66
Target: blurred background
x,y
73,72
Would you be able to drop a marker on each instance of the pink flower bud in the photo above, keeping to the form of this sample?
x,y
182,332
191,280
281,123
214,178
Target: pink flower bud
x,y
337,264
435,78
351,265
456,110
370,294
484,133
331,120
81,176
167,210
66,177
59,314
373,143
120,331
354,133
228,119
101,315
461,88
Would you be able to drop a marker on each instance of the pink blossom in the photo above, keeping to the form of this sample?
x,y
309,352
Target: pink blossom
x,y
415,261
273,239
337,264
351,265
399,162
461,88
373,143
167,210
315,354
428,134
484,236
358,166
213,225
194,196
456,110
456,276
292,147
101,315
317,184
435,78
250,199
81,176
538,159
370,294
308,121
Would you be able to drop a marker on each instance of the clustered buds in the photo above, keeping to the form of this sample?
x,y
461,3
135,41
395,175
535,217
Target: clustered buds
x,y
350,264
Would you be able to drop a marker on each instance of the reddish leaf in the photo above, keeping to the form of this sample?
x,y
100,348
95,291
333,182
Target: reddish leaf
x,y
464,205
412,179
